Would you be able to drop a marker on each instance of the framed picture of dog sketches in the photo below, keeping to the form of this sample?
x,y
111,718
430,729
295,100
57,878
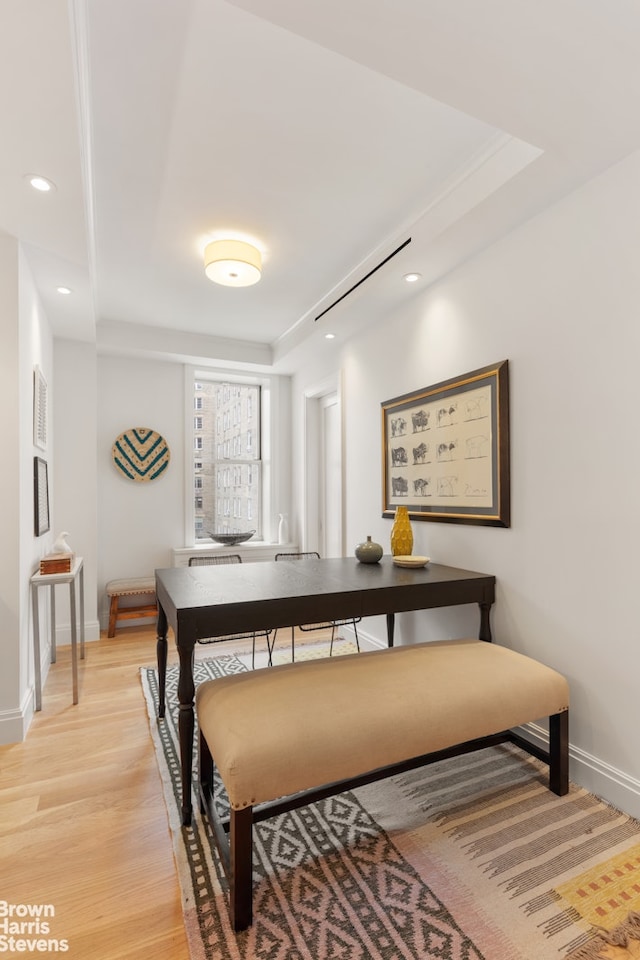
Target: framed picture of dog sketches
x,y
445,450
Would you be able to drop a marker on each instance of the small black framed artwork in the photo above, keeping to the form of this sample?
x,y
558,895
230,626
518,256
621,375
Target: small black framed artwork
x,y
445,450
40,496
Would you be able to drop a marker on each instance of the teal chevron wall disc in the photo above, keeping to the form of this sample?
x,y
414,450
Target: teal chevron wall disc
x,y
141,454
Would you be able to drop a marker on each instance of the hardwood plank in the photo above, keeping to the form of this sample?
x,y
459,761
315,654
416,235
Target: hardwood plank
x,y
83,824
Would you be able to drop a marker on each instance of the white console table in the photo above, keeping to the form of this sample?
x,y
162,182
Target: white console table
x,y
52,580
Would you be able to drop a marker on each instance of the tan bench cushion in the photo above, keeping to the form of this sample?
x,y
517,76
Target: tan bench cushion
x,y
276,731
129,588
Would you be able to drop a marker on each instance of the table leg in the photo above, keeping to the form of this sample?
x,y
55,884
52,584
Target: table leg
x,y
161,656
485,624
53,652
186,725
81,579
391,624
74,638
36,645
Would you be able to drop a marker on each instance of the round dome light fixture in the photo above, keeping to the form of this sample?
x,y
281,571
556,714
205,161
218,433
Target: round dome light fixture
x,y
233,263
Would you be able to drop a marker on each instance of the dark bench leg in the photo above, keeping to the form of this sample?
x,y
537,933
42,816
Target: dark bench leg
x,y
241,878
559,753
235,846
205,770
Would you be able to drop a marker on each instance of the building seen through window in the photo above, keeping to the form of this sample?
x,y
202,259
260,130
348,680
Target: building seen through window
x,y
226,466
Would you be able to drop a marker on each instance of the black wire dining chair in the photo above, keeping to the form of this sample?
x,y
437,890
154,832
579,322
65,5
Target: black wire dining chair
x,y
251,635
324,625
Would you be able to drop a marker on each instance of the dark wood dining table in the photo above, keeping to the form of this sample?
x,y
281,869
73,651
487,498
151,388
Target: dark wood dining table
x,y
201,602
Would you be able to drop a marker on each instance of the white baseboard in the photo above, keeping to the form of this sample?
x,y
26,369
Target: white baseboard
x,y
63,632
15,723
605,781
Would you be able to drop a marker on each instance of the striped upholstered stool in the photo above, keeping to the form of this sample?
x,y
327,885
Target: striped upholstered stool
x,y
141,587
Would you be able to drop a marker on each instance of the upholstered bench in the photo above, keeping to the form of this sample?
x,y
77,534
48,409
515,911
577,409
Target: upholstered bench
x,y
137,587
286,736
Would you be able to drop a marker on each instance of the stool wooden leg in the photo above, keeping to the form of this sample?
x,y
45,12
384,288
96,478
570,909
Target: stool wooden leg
x,y
113,616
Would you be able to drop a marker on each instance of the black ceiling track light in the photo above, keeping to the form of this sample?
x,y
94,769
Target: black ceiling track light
x,y
366,277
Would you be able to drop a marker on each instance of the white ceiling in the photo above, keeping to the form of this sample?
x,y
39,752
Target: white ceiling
x,y
328,133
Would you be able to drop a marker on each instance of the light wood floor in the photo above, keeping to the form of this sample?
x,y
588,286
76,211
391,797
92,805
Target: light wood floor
x,y
83,825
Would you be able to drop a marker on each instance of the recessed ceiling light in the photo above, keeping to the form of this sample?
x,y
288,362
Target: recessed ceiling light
x,y
329,336
64,290
41,183
412,277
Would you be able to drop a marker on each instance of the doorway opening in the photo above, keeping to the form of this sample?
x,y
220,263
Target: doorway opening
x,y
323,469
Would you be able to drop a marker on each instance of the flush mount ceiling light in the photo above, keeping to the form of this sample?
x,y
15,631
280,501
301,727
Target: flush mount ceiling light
x,y
65,291
412,277
233,263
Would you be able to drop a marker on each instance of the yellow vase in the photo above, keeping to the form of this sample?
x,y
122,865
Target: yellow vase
x,y
401,534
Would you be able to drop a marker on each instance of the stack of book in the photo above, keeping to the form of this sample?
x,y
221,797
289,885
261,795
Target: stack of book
x,y
57,563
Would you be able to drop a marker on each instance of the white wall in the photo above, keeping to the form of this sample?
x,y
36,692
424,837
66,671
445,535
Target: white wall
x,y
75,473
25,340
138,523
10,479
35,346
559,298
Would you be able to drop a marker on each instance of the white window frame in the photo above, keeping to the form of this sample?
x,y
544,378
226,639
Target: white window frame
x,y
275,446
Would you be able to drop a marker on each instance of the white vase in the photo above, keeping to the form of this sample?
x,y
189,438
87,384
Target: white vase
x,y
283,528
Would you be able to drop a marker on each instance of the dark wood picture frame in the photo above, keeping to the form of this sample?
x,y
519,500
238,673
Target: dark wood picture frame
x,y
40,496
445,450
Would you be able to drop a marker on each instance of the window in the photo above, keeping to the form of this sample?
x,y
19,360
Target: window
x,y
227,475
